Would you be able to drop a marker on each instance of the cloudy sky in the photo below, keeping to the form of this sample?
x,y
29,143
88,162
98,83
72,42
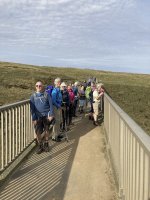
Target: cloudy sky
x,y
100,34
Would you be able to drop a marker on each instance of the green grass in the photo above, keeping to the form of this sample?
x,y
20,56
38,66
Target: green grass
x,y
129,91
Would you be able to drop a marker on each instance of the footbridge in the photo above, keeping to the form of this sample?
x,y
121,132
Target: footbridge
x,y
107,162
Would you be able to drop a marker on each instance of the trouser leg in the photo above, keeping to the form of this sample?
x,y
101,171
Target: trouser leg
x,y
58,120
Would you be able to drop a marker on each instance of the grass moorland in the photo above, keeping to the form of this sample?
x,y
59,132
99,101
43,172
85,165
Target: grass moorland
x,y
129,91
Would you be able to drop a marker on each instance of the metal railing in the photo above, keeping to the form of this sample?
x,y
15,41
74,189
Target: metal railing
x,y
16,131
130,152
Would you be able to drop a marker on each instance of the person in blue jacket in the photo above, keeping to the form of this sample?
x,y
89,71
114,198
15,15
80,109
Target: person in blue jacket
x,y
42,115
57,103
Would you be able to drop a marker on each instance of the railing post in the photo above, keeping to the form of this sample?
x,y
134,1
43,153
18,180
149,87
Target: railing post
x,y
13,135
121,157
2,141
6,138
10,138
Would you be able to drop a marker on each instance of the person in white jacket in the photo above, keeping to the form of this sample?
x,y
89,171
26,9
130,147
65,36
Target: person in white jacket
x,y
97,94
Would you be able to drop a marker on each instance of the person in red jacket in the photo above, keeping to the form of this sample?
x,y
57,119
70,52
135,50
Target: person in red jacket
x,y
71,97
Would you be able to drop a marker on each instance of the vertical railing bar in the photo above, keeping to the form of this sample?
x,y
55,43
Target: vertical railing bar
x,y
121,157
22,127
13,141
16,118
149,177
130,169
19,135
131,166
126,160
6,138
124,128
137,168
143,174
139,173
2,141
128,163
10,138
27,124
30,124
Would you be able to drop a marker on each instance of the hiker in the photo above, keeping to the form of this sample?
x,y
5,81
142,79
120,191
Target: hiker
x,y
81,99
71,97
97,94
91,100
75,91
65,106
87,93
102,90
57,102
42,115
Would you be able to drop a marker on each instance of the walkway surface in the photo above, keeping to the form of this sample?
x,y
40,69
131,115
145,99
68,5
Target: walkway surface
x,y
77,170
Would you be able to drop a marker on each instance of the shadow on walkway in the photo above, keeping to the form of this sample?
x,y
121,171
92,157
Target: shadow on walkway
x,y
45,176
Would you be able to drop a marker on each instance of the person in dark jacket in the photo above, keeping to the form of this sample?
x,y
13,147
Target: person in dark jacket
x,y
65,105
42,114
76,93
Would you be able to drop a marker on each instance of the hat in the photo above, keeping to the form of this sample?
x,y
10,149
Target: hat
x,y
63,84
76,83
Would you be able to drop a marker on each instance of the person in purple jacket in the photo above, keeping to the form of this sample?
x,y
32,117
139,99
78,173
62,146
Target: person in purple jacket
x,y
42,114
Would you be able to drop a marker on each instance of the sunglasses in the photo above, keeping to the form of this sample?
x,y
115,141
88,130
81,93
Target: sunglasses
x,y
38,85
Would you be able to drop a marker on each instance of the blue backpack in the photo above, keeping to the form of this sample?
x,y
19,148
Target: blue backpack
x,y
49,89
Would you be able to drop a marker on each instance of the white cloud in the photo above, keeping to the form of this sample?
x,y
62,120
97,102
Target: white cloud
x,y
75,29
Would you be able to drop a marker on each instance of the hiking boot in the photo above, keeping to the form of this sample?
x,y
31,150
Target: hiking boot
x,y
40,148
95,123
90,118
60,136
46,146
56,139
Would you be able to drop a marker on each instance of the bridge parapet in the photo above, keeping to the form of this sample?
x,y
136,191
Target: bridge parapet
x,y
130,152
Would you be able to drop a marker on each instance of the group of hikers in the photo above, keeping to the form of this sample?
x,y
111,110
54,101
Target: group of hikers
x,y
56,106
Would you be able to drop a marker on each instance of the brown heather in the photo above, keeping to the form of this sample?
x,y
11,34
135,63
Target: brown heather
x,y
129,91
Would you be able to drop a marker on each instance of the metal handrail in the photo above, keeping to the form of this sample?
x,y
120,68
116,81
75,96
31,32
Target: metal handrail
x,y
16,131
130,152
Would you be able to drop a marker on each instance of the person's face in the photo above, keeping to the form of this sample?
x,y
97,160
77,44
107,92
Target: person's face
x,y
69,87
58,84
63,87
99,89
39,87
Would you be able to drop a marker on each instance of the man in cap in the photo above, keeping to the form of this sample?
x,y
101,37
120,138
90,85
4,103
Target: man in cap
x,y
42,114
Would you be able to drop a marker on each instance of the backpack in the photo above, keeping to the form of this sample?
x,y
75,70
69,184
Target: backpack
x,y
65,96
87,92
49,89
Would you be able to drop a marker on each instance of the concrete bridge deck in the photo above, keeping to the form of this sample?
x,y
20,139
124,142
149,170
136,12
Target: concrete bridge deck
x,y
76,170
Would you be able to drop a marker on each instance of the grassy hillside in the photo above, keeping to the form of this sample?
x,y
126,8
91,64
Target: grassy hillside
x,y
130,91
